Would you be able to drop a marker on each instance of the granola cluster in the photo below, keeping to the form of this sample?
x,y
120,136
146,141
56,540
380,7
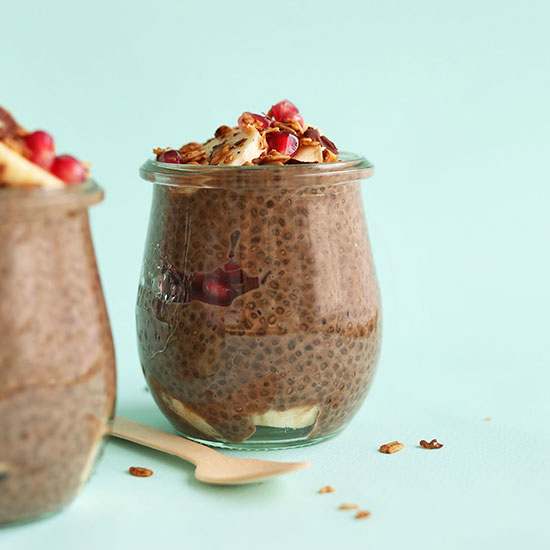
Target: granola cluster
x,y
279,137
29,159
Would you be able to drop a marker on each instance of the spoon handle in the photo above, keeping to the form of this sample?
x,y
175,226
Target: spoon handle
x,y
124,428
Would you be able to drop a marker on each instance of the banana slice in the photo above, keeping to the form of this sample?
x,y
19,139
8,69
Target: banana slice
x,y
295,418
235,148
16,170
191,417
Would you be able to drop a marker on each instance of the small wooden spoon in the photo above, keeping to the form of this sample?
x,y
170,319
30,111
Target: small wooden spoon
x,y
211,466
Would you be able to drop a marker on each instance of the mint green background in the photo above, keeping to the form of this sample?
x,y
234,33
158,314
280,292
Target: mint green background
x,y
450,101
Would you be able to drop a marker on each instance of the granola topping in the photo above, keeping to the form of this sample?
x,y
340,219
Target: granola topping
x,y
138,471
348,506
29,159
433,444
326,489
8,126
393,447
247,143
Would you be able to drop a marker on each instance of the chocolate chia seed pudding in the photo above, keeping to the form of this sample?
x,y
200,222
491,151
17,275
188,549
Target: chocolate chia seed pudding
x,y
57,367
258,311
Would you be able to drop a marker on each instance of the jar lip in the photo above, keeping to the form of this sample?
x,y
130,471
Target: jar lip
x,y
81,195
351,167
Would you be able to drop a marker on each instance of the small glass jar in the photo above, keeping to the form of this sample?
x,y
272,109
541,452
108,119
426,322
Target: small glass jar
x,y
258,311
57,364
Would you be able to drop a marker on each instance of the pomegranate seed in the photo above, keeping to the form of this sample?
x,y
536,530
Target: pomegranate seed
x,y
41,147
283,142
297,117
284,109
263,121
231,266
68,169
217,289
172,156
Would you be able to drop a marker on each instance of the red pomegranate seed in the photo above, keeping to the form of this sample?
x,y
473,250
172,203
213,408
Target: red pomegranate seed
x,y
41,147
172,156
284,109
217,289
262,120
231,266
68,169
297,117
283,142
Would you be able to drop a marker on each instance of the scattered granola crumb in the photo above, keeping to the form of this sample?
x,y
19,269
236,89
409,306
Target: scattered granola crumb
x,y
362,514
488,419
348,507
326,489
138,471
392,447
433,444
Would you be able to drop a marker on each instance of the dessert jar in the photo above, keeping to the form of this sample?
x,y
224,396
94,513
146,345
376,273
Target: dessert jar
x,y
57,364
258,311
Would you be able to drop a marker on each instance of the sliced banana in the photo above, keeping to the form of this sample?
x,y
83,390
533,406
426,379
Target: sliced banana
x,y
16,170
191,417
239,147
295,418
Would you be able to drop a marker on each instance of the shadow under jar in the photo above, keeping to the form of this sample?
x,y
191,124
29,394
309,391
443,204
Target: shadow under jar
x,y
258,312
57,365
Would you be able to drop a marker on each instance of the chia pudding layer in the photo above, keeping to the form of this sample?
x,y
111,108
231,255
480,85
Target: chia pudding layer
x,y
258,307
57,367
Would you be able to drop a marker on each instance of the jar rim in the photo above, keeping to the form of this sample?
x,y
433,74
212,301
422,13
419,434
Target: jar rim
x,y
77,196
350,167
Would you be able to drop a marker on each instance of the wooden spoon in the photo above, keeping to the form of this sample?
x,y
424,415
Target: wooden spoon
x,y
211,466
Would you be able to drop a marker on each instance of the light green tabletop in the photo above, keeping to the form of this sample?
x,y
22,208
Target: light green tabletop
x,y
450,102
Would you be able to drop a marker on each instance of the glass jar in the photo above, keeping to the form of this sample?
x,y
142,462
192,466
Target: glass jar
x,y
258,311
57,364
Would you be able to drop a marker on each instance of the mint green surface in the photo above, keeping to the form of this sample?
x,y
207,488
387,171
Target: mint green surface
x,y
450,102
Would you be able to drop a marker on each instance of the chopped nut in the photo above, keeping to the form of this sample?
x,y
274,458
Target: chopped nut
x,y
362,514
8,126
219,153
271,157
329,156
248,120
195,155
138,471
193,146
295,125
392,447
348,507
329,145
326,489
222,130
307,142
433,444
286,127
